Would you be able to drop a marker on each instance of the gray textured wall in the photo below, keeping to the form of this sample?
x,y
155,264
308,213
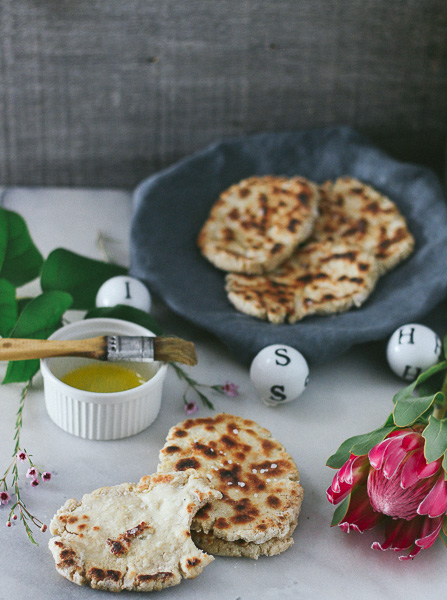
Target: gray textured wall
x,y
103,93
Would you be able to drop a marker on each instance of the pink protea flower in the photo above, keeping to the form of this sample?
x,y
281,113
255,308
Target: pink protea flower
x,y
394,485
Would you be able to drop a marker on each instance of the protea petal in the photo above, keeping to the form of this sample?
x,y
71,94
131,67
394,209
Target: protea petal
x,y
393,461
412,554
412,441
351,474
399,535
360,514
435,503
412,468
429,532
377,454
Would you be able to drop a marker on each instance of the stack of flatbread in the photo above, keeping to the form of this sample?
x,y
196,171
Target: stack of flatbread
x,y
293,249
224,486
258,481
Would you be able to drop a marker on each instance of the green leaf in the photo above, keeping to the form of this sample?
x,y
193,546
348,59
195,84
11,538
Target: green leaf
x,y
444,346
8,307
3,236
435,435
358,445
443,537
369,440
423,377
22,302
40,317
78,275
22,261
432,385
410,408
340,511
127,313
444,525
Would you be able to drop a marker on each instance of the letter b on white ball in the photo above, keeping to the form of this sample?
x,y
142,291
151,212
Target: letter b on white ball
x,y
412,349
279,374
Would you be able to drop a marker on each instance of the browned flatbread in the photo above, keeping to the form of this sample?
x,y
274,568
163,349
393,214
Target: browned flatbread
x,y
259,482
257,223
320,278
353,212
132,536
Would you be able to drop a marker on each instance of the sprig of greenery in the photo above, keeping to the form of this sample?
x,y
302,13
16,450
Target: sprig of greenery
x,y
421,405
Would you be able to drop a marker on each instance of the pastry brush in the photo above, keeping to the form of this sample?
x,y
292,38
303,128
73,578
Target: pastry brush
x,y
112,348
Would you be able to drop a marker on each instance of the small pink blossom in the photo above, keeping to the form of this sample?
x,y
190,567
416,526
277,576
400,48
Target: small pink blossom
x,y
22,456
8,524
46,476
191,408
32,473
34,482
4,497
43,528
230,389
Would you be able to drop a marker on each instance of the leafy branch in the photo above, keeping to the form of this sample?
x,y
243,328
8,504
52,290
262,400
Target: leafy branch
x,y
422,405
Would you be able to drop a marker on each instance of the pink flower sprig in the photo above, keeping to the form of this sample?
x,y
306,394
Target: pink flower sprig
x,y
229,389
18,508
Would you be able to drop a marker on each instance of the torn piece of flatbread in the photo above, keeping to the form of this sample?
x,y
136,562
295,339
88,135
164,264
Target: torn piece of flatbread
x,y
132,536
257,223
353,212
320,278
258,479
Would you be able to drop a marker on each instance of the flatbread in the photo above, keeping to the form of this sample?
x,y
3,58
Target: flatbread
x,y
356,213
257,223
132,536
258,479
320,278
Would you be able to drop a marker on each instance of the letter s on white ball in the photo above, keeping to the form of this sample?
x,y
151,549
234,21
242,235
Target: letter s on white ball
x,y
279,374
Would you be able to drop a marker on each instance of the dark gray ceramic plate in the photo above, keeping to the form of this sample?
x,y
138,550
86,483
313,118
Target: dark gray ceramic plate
x,y
171,206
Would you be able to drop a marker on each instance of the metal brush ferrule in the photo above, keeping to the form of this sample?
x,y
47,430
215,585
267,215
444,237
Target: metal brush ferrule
x,y
128,348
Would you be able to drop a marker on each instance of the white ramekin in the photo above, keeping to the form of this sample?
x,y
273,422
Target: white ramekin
x,y
101,416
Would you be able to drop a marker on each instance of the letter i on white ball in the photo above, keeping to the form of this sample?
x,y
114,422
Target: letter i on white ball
x,y
279,374
124,290
412,349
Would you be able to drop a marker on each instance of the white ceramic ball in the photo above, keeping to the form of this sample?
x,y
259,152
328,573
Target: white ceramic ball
x,y
124,290
279,374
411,349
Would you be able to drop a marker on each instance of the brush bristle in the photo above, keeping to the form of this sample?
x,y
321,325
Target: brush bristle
x,y
175,350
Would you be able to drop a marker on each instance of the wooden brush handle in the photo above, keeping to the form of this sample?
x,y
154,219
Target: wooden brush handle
x,y
19,349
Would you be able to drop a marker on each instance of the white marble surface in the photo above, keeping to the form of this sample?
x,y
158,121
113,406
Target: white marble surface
x,y
350,395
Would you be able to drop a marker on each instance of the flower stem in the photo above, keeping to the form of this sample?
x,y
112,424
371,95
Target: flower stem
x,y
440,409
